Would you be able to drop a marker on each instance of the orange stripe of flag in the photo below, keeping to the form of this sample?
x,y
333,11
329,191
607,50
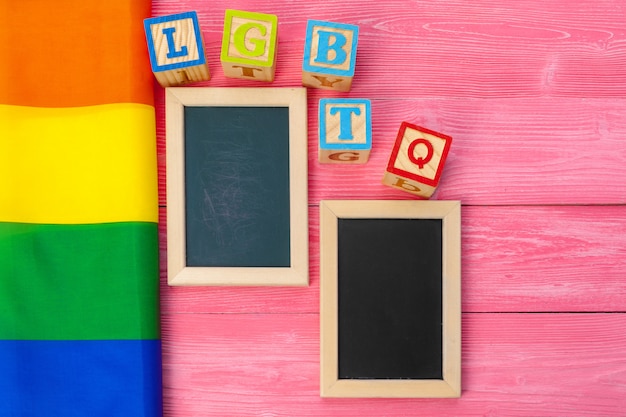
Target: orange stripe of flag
x,y
70,53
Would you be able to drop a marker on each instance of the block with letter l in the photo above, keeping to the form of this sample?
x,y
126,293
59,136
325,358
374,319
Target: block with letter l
x,y
249,45
176,49
417,160
345,130
329,55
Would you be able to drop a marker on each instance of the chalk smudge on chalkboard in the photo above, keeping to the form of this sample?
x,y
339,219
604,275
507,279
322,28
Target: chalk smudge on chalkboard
x,y
237,186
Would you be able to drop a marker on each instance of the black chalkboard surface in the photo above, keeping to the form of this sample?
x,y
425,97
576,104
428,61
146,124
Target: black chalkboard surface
x,y
376,341
237,186
390,298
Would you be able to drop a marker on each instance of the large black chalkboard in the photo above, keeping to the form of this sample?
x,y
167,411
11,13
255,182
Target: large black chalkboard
x,y
390,317
237,186
237,208
390,298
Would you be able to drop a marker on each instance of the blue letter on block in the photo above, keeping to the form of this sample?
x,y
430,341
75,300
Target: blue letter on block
x,y
330,48
354,130
345,120
324,48
171,45
162,29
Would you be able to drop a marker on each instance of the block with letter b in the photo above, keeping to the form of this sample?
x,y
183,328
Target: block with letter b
x,y
345,130
417,160
249,45
176,49
329,55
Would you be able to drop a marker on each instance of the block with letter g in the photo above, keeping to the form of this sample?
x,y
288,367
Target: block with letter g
x,y
249,45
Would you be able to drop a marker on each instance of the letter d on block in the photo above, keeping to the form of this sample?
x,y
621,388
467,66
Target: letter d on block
x,y
403,183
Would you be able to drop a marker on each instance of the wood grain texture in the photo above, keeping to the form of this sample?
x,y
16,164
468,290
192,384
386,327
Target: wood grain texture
x,y
533,94
505,151
514,259
452,48
513,365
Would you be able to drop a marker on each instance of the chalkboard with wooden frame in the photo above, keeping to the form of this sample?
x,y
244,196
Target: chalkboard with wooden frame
x,y
390,299
237,209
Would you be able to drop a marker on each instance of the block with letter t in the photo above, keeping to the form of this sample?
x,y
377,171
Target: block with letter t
x,y
329,55
249,45
345,130
176,49
417,160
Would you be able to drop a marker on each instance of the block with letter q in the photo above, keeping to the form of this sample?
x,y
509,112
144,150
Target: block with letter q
x,y
417,160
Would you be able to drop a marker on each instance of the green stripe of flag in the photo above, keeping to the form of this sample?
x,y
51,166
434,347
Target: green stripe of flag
x,y
79,282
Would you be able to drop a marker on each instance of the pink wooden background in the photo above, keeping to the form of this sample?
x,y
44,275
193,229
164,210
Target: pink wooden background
x,y
534,94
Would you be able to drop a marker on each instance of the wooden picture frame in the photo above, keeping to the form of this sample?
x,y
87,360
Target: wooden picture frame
x,y
347,313
237,186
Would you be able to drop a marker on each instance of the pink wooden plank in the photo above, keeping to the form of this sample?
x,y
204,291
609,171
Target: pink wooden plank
x,y
533,94
513,365
514,259
452,48
544,258
522,151
505,151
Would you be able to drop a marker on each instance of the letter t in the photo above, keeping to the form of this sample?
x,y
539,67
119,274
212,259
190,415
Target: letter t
x,y
345,120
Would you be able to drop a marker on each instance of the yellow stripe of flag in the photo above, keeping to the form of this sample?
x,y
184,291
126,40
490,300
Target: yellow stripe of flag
x,y
75,165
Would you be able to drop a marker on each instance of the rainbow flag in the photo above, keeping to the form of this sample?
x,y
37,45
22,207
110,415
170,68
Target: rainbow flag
x,y
79,318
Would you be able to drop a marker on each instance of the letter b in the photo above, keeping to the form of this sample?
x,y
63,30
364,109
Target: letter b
x,y
331,42
329,55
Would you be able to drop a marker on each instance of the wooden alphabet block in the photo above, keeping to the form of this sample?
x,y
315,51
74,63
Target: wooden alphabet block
x,y
417,160
329,55
249,45
345,130
176,49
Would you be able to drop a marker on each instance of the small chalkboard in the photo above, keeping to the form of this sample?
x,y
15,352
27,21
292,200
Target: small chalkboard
x,y
390,298
237,186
